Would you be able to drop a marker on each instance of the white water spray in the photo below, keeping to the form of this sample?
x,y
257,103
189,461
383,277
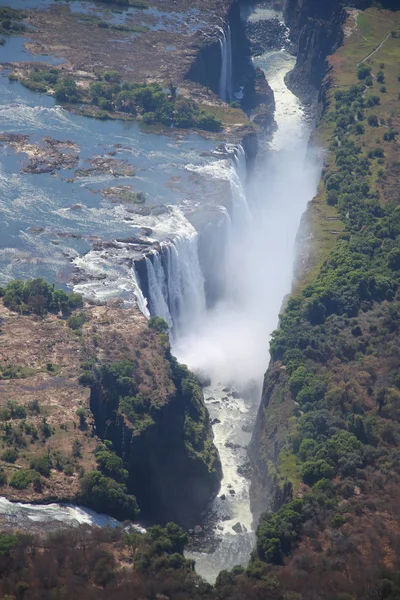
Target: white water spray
x,y
225,80
176,284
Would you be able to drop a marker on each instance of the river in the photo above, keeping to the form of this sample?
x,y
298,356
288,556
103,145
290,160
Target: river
x,y
226,340
231,344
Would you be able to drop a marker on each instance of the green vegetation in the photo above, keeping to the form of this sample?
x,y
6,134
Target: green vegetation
x,y
77,320
10,455
104,494
21,479
149,101
84,564
41,464
337,335
158,324
38,297
10,21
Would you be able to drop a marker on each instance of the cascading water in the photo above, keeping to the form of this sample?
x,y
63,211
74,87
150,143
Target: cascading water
x,y
140,299
176,283
231,343
225,80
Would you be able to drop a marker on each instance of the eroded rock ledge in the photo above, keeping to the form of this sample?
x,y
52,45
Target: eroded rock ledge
x,y
167,449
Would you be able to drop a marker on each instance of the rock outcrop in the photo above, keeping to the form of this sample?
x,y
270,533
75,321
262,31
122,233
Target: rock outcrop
x,y
317,30
258,97
53,406
174,469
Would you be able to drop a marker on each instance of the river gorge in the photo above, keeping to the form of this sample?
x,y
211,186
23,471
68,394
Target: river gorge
x,y
212,250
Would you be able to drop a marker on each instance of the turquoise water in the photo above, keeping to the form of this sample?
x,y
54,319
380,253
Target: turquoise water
x,y
47,201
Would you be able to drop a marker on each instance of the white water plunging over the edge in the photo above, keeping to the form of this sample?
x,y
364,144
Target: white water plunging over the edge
x,y
176,283
231,344
225,79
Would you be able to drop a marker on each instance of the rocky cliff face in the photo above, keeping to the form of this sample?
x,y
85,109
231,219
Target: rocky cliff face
x,y
167,448
54,404
268,489
258,97
316,28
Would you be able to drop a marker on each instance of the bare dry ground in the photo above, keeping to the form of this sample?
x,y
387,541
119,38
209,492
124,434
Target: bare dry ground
x,y
40,360
162,48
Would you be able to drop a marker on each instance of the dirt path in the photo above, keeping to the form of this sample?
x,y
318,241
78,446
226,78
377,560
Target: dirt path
x,y
374,51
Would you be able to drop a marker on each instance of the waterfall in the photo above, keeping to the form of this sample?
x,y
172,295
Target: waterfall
x,y
140,299
240,213
176,283
225,80
157,289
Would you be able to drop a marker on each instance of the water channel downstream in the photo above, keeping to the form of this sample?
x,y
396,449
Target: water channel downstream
x,y
227,342
231,344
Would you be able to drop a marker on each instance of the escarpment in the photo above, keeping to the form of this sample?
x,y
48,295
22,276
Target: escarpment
x,y
163,436
73,376
248,85
317,30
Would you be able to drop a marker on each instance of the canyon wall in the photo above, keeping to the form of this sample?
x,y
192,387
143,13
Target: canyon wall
x,y
258,97
317,30
167,447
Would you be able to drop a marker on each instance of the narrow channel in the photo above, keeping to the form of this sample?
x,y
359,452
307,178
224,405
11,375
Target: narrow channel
x,y
231,343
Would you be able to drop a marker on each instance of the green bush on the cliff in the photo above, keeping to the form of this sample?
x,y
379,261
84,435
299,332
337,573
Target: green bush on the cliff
x,y
37,296
277,532
21,479
111,465
41,464
158,324
314,470
7,543
10,455
77,320
160,548
103,494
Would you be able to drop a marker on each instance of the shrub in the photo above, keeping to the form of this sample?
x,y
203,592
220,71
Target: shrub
x,y
111,465
103,494
332,196
7,543
313,471
77,320
17,411
10,455
393,259
363,71
34,407
81,413
158,324
338,521
390,135
373,101
66,91
21,479
41,464
373,121
3,477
